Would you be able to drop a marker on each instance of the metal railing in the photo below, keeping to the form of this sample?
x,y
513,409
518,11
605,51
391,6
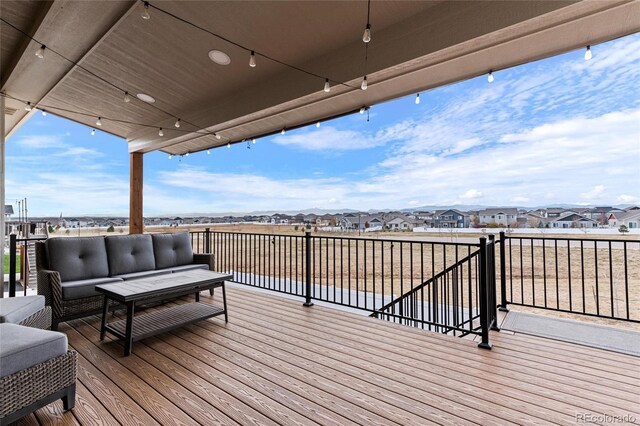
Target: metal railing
x,y
594,277
441,286
14,243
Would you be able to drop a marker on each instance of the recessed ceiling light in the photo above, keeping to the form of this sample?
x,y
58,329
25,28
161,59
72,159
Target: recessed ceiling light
x,y
145,98
219,57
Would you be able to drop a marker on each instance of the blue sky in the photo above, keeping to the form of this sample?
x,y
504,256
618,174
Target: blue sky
x,y
562,130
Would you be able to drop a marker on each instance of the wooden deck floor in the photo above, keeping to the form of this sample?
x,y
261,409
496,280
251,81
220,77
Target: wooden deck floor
x,y
276,362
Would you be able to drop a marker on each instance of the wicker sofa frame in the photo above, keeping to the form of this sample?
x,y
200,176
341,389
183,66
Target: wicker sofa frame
x,y
41,319
34,387
49,286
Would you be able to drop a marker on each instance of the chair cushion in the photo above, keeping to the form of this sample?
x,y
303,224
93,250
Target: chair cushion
x,y
23,347
129,253
84,288
144,274
172,250
189,267
78,258
16,309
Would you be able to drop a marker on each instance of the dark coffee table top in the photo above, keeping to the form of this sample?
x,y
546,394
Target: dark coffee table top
x,y
162,285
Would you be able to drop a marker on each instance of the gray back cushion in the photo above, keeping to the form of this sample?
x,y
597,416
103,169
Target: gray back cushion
x,y
172,249
78,258
130,253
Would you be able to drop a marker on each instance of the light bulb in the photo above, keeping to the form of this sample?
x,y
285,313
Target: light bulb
x,y
44,113
160,132
145,11
366,37
93,132
228,145
218,136
170,156
40,52
28,107
318,124
490,77
127,98
208,152
187,154
99,121
177,123
254,141
327,86
587,54
282,132
418,99
362,110
364,84
252,59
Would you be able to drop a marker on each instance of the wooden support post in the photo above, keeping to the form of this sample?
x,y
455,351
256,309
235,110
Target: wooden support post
x,y
136,226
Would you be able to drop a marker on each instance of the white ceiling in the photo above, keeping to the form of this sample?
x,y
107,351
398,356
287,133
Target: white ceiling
x,y
415,46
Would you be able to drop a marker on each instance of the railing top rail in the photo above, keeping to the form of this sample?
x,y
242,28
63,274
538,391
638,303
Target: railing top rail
x,y
603,240
335,237
22,240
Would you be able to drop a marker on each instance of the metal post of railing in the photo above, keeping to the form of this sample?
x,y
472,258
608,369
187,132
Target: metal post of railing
x,y
493,304
484,299
12,265
207,240
503,273
307,266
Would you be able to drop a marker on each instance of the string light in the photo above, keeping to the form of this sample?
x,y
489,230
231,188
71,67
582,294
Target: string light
x,y
254,141
93,132
177,123
282,132
170,156
208,152
418,99
127,98
327,86
99,121
364,84
252,59
160,132
490,77
44,112
228,145
145,11
28,107
366,37
40,52
187,154
587,53
218,136
362,110
318,124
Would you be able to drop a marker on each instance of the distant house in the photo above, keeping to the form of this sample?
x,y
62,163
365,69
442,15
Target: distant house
x,y
503,216
451,218
630,219
400,223
535,220
601,214
8,211
573,220
555,212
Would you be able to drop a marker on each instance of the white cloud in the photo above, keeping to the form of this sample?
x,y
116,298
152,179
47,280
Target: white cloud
x,y
328,138
471,194
520,199
628,199
41,142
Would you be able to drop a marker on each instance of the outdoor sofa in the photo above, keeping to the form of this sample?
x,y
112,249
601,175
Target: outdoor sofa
x,y
70,268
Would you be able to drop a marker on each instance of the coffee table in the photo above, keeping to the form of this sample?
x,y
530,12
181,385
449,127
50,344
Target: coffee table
x,y
155,288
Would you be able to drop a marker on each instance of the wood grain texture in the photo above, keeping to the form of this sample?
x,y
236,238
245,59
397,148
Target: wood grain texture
x,y
276,362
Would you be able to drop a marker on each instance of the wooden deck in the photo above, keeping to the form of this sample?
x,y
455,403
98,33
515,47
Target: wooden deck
x,y
277,362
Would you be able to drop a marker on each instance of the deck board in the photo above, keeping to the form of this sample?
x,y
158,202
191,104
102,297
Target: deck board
x,y
276,362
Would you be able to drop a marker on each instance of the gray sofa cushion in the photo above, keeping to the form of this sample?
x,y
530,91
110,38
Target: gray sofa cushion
x,y
78,258
172,250
23,347
189,267
84,288
16,309
129,253
144,274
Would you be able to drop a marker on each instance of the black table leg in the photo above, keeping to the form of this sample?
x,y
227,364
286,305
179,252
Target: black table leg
x,y
224,302
197,296
128,340
105,312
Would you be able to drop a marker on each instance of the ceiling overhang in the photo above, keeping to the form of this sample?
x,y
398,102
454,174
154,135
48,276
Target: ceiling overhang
x,y
415,46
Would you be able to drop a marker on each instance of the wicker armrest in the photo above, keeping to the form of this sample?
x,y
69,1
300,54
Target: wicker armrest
x,y
206,259
49,286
